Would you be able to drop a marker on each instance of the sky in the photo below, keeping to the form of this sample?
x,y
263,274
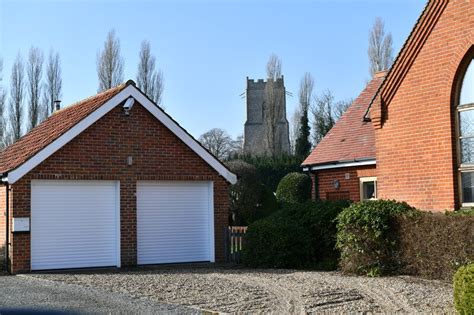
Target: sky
x,y
207,48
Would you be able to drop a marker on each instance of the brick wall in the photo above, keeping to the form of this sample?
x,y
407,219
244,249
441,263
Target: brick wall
x,y
2,223
416,160
100,153
323,182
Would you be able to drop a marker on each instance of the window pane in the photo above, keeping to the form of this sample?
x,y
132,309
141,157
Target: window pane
x,y
467,150
467,187
467,89
368,190
466,119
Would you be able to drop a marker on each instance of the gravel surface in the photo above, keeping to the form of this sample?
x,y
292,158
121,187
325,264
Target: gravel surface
x,y
28,293
280,291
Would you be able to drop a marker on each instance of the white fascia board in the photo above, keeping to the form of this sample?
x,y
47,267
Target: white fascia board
x,y
22,170
19,172
184,136
340,165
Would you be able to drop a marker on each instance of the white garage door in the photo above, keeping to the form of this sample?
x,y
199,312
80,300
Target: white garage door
x,y
74,224
175,222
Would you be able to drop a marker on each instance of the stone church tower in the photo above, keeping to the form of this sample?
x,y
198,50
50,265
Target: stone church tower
x,y
256,140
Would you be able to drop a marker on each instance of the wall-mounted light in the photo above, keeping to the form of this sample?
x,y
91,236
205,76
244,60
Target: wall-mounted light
x,y
129,160
336,184
127,107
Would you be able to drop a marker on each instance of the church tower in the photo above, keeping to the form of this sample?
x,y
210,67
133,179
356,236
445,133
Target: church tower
x,y
258,135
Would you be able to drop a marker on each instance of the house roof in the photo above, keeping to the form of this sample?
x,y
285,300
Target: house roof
x,y
50,129
64,125
411,48
352,138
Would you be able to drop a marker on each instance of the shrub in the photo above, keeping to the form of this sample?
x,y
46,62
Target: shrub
x,y
271,170
434,245
294,187
297,236
464,290
364,238
462,212
250,200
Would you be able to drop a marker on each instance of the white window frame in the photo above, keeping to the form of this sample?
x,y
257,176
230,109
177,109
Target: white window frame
x,y
462,167
363,180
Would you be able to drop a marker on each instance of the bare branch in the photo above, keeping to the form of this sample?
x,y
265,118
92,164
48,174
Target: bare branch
x,y
3,95
380,50
17,86
149,80
274,67
53,85
218,142
34,71
110,63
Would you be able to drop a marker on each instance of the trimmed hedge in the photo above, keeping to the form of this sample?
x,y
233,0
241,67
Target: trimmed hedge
x,y
464,290
294,187
297,236
434,245
364,238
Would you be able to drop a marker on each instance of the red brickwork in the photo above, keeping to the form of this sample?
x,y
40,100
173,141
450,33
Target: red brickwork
x,y
2,219
100,153
324,187
415,148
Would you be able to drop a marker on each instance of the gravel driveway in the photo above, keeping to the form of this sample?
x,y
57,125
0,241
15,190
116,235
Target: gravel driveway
x,y
281,291
29,293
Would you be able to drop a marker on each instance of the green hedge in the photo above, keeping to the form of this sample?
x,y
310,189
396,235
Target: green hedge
x,y
271,170
364,238
294,187
250,200
297,236
464,290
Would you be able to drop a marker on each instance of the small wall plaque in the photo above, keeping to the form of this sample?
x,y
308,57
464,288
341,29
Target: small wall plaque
x,y
21,225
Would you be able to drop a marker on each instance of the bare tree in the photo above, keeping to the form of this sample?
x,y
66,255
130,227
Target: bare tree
x,y
3,95
294,128
218,142
53,85
149,80
272,107
380,48
17,86
303,144
237,147
34,72
341,107
323,117
274,67
110,63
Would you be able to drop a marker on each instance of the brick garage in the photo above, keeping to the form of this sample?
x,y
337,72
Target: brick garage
x,y
125,149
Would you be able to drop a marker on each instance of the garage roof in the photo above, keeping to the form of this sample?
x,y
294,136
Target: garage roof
x,y
352,138
61,127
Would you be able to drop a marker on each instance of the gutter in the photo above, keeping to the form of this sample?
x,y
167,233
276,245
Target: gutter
x,y
340,164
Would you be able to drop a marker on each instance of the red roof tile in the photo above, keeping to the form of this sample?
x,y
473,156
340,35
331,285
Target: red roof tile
x,y
52,128
351,138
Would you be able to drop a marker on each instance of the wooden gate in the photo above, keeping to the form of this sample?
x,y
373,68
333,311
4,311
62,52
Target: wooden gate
x,y
234,243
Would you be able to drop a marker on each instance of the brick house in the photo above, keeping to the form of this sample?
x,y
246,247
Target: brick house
x,y
343,163
111,181
422,113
